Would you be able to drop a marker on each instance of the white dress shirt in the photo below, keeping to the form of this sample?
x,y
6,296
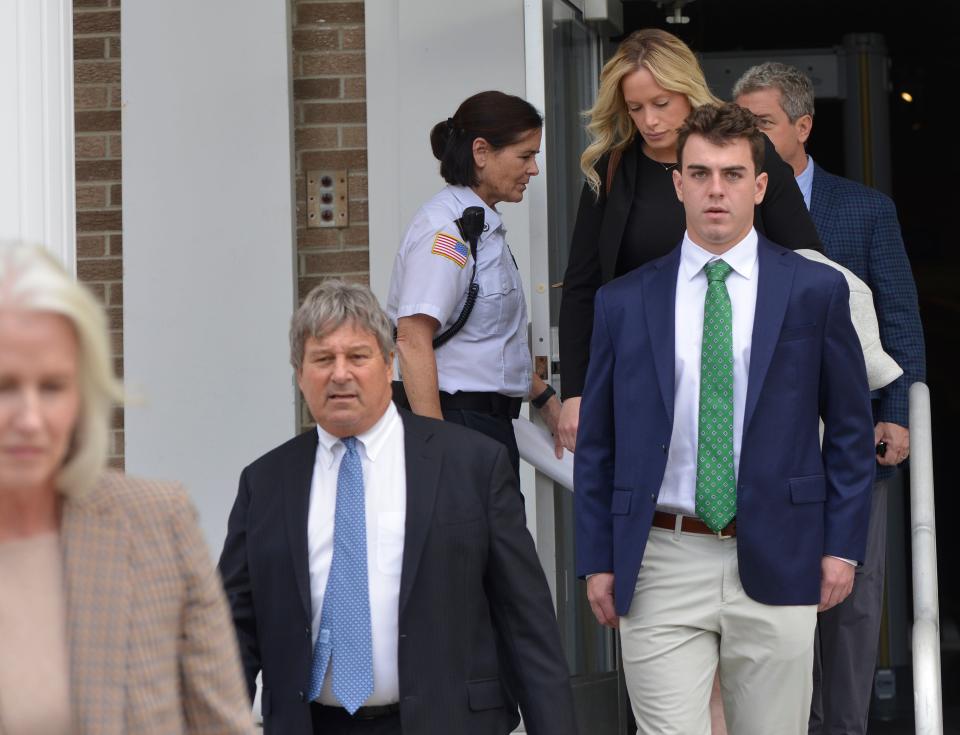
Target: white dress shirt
x,y
679,489
805,182
381,451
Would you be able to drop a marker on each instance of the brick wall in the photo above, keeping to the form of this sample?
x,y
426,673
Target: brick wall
x,y
96,53
330,112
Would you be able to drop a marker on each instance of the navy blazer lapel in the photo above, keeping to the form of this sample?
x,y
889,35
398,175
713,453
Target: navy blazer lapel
x,y
297,481
775,277
821,199
616,211
659,298
423,462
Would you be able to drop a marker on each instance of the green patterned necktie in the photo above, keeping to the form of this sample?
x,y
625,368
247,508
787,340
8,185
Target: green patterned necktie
x,y
716,501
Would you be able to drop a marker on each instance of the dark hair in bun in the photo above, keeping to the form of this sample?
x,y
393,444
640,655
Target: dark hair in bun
x,y
498,118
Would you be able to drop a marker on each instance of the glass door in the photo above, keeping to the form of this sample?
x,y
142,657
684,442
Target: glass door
x,y
573,56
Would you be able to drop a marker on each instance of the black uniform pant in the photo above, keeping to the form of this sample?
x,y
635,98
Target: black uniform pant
x,y
489,413
501,429
496,427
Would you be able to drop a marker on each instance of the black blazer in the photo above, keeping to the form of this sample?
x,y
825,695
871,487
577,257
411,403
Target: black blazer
x,y
469,569
598,235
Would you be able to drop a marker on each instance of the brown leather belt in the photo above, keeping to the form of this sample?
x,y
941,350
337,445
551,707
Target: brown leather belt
x,y
691,524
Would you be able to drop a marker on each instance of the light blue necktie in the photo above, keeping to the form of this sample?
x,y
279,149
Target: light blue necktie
x,y
344,633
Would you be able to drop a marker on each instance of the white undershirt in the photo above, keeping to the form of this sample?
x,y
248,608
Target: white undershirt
x,y
381,451
679,489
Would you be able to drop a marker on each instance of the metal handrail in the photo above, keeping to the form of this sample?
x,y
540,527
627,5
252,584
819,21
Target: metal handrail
x,y
927,694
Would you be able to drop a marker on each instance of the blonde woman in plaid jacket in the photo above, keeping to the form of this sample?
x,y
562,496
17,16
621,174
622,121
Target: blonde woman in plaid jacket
x,y
112,617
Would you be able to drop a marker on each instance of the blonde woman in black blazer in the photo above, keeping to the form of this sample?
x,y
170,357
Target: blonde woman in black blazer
x,y
629,213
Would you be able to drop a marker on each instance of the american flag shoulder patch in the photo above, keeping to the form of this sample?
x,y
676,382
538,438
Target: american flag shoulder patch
x,y
451,248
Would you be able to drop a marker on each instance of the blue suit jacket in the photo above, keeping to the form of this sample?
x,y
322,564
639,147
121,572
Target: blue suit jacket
x,y
859,229
795,501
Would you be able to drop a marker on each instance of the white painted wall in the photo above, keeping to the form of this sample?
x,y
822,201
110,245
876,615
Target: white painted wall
x,y
36,125
208,242
423,59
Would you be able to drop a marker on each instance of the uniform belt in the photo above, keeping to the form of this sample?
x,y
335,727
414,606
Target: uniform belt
x,y
364,713
495,404
690,524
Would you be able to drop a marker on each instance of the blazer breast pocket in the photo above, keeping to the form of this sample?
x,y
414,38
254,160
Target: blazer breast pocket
x,y
792,334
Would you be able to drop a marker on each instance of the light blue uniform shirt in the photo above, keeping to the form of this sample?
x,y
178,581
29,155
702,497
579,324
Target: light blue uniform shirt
x,y
491,352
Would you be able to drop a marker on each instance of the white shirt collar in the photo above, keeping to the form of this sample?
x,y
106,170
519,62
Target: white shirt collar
x,y
371,440
468,198
805,181
742,257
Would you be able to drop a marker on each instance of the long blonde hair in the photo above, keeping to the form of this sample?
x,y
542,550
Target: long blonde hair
x,y
673,66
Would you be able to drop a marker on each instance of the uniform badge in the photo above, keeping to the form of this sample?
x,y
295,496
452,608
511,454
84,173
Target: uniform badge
x,y
451,248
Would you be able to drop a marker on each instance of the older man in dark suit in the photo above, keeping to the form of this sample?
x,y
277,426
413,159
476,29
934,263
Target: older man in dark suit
x,y
858,228
378,568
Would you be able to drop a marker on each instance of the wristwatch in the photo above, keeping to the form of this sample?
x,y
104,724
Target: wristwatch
x,y
541,400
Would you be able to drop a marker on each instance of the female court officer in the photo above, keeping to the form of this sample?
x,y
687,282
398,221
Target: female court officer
x,y
470,365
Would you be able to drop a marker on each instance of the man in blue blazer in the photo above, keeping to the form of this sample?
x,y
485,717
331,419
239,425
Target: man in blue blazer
x,y
859,229
710,522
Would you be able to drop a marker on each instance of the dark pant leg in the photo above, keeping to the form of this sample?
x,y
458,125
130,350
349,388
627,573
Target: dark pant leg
x,y
845,652
336,721
496,427
501,429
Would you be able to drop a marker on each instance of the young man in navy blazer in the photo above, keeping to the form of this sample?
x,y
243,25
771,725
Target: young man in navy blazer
x,y
711,524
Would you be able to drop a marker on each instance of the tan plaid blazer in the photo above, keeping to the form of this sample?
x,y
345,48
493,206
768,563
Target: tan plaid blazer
x,y
152,646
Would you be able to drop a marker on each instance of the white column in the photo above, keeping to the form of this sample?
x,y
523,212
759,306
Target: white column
x,y
208,248
36,125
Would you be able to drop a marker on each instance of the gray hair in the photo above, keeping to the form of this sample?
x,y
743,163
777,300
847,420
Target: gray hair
x,y
31,279
330,305
796,89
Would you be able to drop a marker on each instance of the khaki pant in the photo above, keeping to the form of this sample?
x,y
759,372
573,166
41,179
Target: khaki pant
x,y
690,614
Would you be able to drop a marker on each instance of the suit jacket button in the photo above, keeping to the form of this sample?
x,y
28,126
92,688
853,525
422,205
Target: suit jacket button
x,y
306,632
402,636
303,697
664,448
652,496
